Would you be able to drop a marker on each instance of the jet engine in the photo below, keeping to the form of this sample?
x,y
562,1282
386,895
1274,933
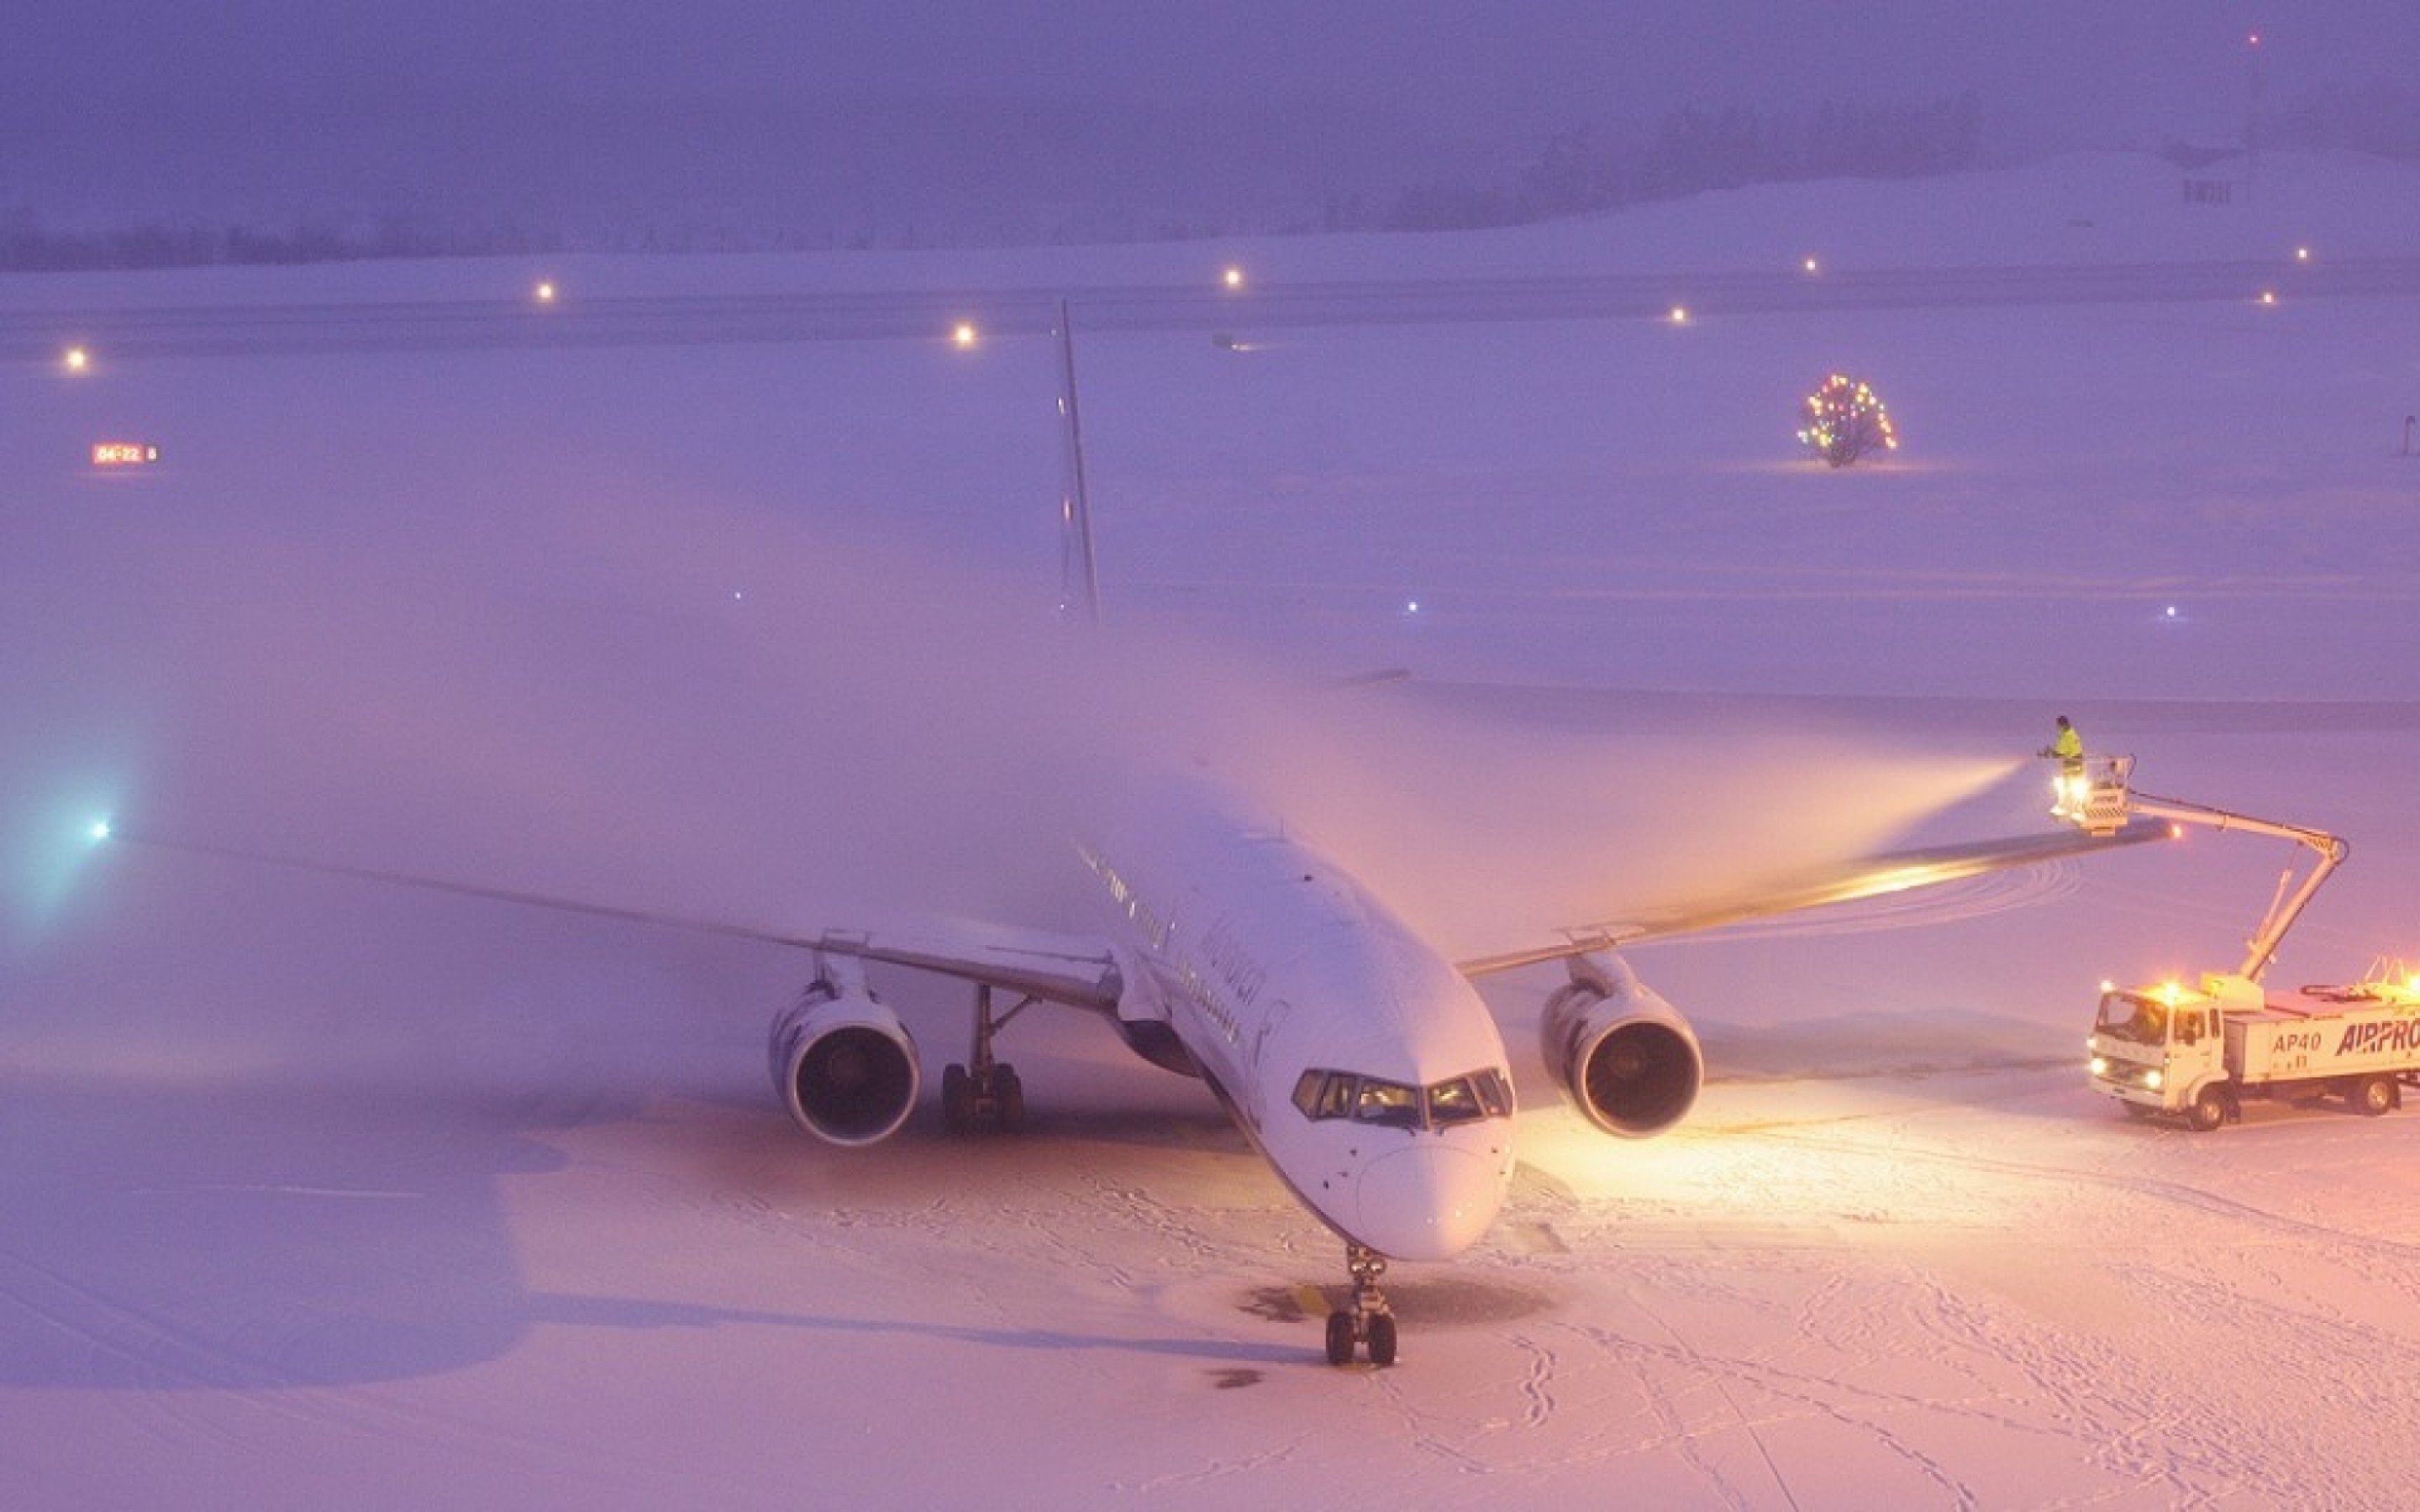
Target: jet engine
x,y
1623,1055
843,1062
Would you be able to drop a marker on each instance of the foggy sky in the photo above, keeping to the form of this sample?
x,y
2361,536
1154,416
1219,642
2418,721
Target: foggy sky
x,y
119,99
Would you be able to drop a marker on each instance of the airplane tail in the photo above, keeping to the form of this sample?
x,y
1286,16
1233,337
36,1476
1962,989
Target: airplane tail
x,y
1079,579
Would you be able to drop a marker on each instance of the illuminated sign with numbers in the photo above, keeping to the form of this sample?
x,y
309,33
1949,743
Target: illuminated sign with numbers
x,y
123,454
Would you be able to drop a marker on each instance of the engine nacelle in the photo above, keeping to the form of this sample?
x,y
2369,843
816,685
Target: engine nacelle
x,y
843,1062
1623,1055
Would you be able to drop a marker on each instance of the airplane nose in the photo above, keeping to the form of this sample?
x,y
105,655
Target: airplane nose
x,y
1426,1203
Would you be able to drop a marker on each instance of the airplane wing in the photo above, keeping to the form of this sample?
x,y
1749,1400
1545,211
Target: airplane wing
x,y
1077,971
1067,969
1868,877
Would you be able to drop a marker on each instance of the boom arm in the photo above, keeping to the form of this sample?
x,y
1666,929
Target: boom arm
x,y
2111,799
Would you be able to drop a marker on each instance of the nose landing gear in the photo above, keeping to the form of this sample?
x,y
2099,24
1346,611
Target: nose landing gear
x,y
1369,1323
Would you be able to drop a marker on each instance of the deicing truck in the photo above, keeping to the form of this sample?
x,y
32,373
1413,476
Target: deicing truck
x,y
2200,1050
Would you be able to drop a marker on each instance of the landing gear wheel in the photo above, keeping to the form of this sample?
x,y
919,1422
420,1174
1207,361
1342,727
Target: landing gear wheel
x,y
1382,1339
1008,1098
2375,1095
1340,1337
958,1098
2209,1110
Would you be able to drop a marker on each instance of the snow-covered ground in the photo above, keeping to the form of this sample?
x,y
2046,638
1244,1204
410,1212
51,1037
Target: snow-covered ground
x,y
316,1193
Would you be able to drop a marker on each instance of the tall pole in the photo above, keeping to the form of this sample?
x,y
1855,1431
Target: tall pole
x,y
1075,508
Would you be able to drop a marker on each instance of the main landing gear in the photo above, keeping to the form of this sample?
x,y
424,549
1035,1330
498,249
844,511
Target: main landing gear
x,y
1369,1323
985,1092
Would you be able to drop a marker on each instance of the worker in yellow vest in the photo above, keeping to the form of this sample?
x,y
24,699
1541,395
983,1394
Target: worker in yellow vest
x,y
2068,788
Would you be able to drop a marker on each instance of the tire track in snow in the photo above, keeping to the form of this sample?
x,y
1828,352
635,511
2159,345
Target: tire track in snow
x,y
1722,1388
1677,1432
1810,1394
1536,1382
1213,1473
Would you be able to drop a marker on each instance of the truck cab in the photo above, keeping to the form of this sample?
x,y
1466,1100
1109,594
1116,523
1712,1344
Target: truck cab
x,y
2163,1049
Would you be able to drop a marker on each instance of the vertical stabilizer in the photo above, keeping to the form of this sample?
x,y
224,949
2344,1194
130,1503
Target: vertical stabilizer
x,y
1079,579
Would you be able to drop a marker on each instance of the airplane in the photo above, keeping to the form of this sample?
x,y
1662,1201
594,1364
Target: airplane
x,y
1362,1065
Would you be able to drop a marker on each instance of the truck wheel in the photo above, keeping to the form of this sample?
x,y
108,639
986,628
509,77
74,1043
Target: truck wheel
x,y
2374,1095
2208,1109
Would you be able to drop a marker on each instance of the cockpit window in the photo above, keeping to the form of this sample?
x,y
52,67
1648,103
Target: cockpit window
x,y
1341,1094
1454,1102
1391,1103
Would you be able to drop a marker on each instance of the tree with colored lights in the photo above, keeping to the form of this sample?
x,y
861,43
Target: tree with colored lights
x,y
1845,420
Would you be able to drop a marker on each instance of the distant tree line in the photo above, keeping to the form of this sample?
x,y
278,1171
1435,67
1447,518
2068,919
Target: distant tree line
x,y
1578,170
1695,149
27,246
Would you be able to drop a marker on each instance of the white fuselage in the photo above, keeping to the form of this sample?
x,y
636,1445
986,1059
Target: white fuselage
x,y
1362,1064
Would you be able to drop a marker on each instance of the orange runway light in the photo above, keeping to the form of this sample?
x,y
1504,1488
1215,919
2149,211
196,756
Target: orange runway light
x,y
76,360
